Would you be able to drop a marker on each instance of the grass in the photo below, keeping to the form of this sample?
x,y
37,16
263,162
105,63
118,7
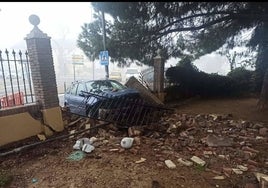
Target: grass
x,y
200,168
5,178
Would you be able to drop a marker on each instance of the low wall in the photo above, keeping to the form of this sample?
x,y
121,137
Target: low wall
x,y
19,123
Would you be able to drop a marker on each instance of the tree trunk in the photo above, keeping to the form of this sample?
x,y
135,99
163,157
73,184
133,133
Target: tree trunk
x,y
263,101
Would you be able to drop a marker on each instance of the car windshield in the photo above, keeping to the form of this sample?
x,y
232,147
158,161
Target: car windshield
x,y
132,71
104,85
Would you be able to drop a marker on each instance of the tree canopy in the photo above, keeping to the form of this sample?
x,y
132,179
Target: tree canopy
x,y
138,29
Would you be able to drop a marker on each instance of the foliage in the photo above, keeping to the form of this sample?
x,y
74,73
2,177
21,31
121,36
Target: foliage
x,y
200,168
138,29
243,79
187,81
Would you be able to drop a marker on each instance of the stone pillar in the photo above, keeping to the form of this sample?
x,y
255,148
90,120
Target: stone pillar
x,y
159,76
43,75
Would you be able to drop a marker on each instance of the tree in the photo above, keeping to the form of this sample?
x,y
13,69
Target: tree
x,y
239,59
138,29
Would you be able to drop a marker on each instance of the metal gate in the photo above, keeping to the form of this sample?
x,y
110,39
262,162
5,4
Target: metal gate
x,y
125,111
15,80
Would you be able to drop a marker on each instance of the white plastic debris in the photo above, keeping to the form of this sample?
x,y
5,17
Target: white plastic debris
x,y
77,145
127,142
88,148
80,142
86,141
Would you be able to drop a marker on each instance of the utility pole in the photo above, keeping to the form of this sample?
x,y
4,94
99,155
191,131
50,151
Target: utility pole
x,y
104,43
93,68
74,71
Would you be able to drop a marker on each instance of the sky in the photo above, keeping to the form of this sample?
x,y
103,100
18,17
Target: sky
x,y
66,18
56,18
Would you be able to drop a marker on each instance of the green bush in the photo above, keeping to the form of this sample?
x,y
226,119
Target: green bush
x,y
187,81
243,79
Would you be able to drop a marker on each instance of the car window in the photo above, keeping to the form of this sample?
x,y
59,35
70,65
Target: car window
x,y
89,86
80,88
117,85
105,85
73,89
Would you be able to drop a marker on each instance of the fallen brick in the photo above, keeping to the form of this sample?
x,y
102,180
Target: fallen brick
x,y
253,162
263,131
258,175
264,182
170,164
227,171
237,171
243,168
219,178
246,148
198,160
140,161
185,162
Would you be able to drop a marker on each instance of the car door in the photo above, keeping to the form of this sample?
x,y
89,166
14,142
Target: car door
x,y
68,97
76,101
79,100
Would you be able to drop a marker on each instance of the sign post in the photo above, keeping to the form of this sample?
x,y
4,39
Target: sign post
x,y
104,42
104,60
77,60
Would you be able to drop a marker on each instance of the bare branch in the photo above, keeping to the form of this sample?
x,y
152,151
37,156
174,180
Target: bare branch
x,y
193,16
226,18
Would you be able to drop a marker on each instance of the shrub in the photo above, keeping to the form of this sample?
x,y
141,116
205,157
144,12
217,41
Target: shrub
x,y
188,81
243,80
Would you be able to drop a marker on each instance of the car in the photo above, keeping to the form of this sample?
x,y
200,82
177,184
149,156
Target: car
x,y
88,98
116,75
132,72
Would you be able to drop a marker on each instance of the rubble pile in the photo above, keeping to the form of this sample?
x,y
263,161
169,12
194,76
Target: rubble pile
x,y
218,143
217,136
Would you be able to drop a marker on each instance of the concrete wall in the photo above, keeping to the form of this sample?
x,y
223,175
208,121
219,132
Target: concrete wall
x,y
19,123
17,127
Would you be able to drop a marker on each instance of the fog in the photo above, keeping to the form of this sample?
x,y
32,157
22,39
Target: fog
x,y
62,21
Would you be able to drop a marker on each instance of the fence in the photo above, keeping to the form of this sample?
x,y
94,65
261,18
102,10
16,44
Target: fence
x,y
15,79
147,78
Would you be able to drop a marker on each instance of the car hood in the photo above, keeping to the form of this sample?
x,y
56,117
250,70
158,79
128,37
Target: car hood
x,y
125,92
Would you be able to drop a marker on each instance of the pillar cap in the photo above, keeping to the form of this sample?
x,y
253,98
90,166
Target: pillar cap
x,y
36,32
158,54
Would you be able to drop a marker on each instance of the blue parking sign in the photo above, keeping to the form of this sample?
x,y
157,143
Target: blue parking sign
x,y
104,58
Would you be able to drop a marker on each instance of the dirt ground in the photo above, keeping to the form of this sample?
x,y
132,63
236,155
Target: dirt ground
x,y
109,165
245,108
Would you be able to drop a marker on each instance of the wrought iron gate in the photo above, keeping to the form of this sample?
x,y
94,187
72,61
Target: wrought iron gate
x,y
124,110
15,80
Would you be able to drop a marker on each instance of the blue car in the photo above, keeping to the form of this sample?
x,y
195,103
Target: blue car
x,y
87,98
